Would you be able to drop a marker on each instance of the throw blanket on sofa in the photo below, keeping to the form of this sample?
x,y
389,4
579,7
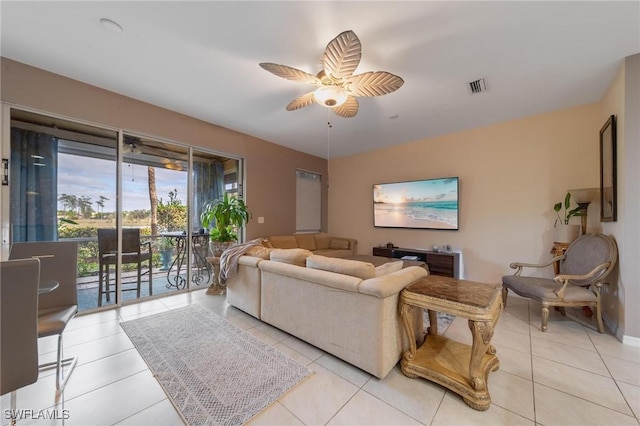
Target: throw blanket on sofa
x,y
229,258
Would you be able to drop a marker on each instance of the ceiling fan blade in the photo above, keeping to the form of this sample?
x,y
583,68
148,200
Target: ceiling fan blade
x,y
342,55
301,102
291,73
373,83
348,109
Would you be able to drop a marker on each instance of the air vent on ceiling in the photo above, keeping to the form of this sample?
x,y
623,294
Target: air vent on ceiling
x,y
477,86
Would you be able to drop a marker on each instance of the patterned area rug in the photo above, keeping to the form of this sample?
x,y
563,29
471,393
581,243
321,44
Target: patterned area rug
x,y
214,372
443,321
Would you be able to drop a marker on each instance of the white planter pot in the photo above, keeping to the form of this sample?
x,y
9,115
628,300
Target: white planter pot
x,y
566,233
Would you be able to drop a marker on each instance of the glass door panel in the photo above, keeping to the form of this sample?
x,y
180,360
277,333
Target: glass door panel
x,y
154,200
63,187
213,175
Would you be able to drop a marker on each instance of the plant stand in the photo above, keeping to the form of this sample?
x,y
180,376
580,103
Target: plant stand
x,y
215,288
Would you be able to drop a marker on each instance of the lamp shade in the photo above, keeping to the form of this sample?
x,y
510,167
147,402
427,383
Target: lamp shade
x,y
585,195
330,96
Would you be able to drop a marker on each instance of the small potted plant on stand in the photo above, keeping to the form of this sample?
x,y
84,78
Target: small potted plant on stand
x,y
223,217
565,232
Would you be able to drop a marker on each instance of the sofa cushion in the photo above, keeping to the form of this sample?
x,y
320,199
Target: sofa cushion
x,y
339,244
283,241
322,241
362,270
389,267
259,251
306,241
294,256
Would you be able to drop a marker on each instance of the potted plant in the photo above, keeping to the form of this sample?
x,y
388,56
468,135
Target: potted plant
x,y
565,232
223,217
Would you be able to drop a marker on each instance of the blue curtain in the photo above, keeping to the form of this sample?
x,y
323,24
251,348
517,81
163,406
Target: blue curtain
x,y
33,184
208,185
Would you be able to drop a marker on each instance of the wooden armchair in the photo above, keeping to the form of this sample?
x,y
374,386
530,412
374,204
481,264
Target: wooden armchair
x,y
583,267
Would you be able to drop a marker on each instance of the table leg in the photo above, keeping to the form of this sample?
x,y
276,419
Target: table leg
x,y
200,248
481,332
433,322
408,355
176,280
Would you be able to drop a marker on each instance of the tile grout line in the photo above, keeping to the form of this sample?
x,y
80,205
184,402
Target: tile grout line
x,y
614,379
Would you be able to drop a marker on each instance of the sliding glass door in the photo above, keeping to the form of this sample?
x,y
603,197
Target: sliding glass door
x,y
132,203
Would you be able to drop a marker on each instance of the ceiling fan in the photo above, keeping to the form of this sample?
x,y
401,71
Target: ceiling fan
x,y
337,87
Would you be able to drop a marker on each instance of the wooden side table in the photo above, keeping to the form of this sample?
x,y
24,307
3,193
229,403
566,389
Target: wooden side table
x,y
558,249
461,368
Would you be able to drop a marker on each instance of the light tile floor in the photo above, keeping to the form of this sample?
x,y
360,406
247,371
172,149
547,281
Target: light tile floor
x,y
570,375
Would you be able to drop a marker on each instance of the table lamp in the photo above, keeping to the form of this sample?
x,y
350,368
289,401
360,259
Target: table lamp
x,y
584,197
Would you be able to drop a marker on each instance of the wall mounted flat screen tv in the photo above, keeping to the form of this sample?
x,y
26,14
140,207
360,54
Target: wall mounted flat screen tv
x,y
422,204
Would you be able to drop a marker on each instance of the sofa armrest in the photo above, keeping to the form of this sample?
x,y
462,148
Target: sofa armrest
x,y
392,283
249,261
353,246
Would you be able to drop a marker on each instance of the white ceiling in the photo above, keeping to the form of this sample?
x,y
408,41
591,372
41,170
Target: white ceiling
x,y
201,59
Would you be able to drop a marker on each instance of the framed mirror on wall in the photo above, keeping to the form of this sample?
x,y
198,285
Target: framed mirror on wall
x,y
608,171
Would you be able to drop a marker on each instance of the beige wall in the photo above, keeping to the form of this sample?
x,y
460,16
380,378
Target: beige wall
x,y
270,168
620,299
511,175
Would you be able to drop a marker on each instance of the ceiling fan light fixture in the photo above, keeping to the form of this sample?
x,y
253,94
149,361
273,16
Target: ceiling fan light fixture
x,y
330,96
337,87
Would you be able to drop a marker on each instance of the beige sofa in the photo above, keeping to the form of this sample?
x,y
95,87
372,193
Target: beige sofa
x,y
334,304
318,243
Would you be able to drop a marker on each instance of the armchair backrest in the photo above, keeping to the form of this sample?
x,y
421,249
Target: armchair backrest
x,y
58,262
19,280
587,252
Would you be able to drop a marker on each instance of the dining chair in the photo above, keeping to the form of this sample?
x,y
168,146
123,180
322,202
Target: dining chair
x,y
133,251
58,262
19,281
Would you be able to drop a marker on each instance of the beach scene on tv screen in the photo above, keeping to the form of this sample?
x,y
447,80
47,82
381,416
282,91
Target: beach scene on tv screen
x,y
417,204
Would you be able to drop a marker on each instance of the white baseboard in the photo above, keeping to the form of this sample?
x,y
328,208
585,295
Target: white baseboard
x,y
626,340
631,341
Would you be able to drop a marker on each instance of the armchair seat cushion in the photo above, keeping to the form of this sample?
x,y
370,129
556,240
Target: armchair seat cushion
x,y
543,289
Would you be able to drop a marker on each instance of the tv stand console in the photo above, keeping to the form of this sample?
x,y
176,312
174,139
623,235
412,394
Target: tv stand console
x,y
440,263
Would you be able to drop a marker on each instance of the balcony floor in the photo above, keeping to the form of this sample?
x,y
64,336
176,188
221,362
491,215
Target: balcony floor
x,y
88,286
